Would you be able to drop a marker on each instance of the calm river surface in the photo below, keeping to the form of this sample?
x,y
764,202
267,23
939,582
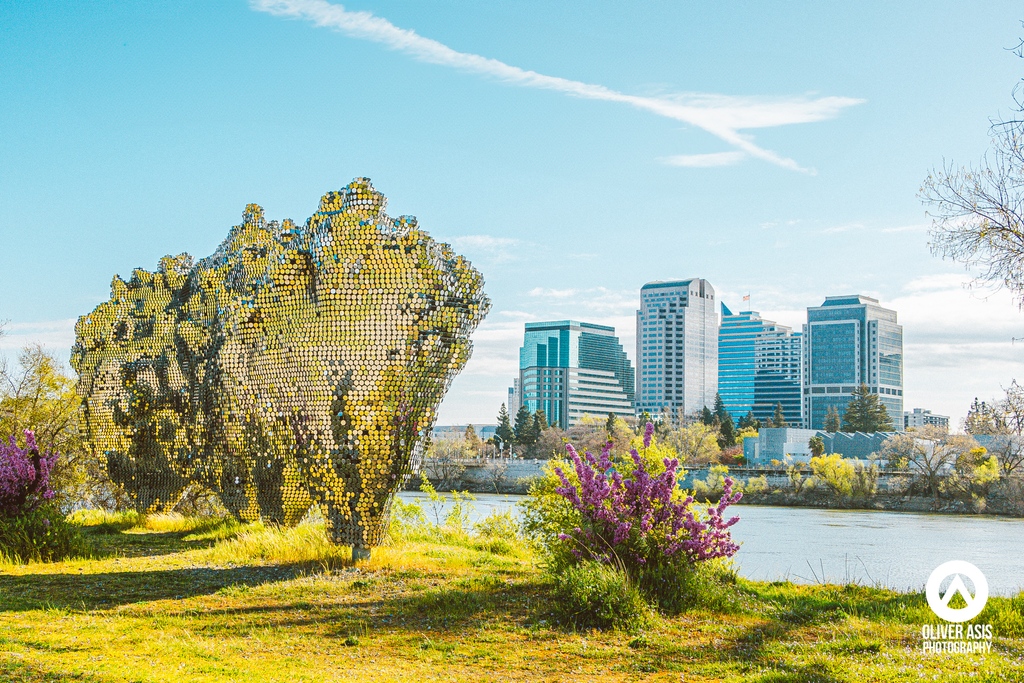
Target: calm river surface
x,y
895,549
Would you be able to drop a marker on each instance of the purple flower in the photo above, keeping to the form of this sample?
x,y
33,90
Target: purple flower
x,y
648,433
639,519
24,476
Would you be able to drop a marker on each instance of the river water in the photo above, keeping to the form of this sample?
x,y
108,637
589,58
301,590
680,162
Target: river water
x,y
893,549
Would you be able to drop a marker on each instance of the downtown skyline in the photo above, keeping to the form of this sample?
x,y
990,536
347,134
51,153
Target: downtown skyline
x,y
572,156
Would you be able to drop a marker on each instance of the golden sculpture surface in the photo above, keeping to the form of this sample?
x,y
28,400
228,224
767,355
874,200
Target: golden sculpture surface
x,y
298,365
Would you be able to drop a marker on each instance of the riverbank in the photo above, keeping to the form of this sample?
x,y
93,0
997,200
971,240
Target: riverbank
x,y
212,604
514,476
883,502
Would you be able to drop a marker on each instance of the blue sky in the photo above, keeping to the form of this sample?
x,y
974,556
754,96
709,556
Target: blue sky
x,y
573,151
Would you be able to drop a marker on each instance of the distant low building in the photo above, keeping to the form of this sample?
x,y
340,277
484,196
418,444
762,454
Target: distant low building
x,y
918,417
778,444
442,432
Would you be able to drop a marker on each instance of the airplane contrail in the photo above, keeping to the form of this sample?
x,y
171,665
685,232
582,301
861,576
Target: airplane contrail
x,y
720,115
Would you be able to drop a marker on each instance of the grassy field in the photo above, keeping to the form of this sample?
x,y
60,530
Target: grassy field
x,y
204,600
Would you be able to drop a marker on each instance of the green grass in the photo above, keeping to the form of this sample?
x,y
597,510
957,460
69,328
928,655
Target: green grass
x,y
212,600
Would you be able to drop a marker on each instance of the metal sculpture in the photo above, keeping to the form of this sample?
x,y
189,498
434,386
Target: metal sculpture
x,y
296,366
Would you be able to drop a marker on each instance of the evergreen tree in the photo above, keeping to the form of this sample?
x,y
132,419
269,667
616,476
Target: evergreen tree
x,y
726,432
866,413
503,435
832,420
720,412
779,419
524,421
609,424
748,421
817,446
537,426
707,417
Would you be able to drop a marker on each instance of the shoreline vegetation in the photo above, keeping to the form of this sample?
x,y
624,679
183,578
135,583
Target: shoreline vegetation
x,y
479,477
920,470
210,599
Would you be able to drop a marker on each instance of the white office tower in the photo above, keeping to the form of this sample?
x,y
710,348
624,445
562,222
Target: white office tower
x,y
676,347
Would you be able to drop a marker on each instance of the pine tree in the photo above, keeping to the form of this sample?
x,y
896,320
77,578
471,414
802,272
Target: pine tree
x,y
720,411
504,434
609,424
707,417
524,421
726,432
537,426
779,419
832,420
866,413
748,421
540,419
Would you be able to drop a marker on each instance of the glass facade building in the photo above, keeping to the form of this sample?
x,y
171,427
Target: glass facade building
x,y
677,347
760,365
849,341
570,369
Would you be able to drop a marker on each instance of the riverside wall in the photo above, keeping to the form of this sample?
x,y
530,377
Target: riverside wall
x,y
515,475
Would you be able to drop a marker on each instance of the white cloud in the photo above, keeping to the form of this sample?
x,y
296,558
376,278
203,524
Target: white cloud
x,y
907,228
704,160
720,115
553,293
55,336
484,242
497,249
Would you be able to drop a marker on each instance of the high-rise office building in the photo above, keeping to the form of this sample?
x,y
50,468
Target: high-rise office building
x,y
570,369
677,346
849,341
760,366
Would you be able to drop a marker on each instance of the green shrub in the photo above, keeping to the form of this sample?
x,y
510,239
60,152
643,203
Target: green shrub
x,y
40,535
498,525
678,588
591,595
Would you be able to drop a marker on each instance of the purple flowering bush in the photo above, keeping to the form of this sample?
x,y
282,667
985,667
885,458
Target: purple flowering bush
x,y
24,476
618,514
31,527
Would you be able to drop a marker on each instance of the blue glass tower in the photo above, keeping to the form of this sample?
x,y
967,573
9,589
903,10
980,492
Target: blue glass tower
x,y
849,341
759,366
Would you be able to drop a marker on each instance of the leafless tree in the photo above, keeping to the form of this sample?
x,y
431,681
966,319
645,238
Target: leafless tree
x,y
444,462
496,470
1009,451
927,454
978,212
